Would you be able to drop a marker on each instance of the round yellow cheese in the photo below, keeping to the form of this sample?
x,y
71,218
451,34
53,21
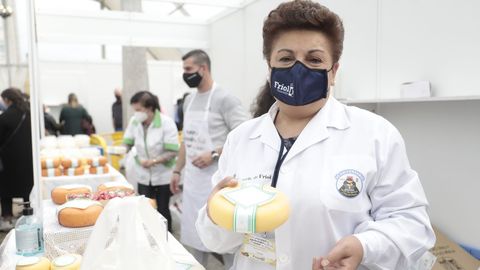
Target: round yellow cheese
x,y
33,263
67,262
249,208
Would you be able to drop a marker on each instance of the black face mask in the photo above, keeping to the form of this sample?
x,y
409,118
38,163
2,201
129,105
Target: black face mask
x,y
192,79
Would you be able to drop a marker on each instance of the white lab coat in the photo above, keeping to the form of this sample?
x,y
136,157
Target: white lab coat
x,y
161,136
388,216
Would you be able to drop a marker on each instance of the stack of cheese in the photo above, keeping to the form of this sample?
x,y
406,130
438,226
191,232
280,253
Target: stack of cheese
x,y
98,165
249,208
80,207
73,166
76,209
57,166
51,167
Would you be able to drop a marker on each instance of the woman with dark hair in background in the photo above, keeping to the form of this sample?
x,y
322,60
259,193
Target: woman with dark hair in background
x,y
16,168
155,138
74,118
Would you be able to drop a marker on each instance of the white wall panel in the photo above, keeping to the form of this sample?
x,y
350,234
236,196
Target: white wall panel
x,y
430,40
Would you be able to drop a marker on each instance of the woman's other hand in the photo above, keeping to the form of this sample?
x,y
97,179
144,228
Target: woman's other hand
x,y
347,254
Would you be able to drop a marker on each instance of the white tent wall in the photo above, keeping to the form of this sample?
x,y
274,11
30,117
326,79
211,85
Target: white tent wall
x,y
94,82
389,42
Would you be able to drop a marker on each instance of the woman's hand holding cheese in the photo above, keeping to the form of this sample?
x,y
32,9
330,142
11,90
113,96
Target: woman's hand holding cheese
x,y
226,182
347,254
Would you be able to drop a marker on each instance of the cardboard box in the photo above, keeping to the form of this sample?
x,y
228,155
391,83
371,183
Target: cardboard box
x,y
418,89
451,256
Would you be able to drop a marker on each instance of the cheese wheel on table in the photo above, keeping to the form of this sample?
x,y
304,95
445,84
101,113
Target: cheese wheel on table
x,y
67,262
50,163
97,161
74,171
60,193
99,170
79,213
51,172
33,263
249,208
116,185
72,163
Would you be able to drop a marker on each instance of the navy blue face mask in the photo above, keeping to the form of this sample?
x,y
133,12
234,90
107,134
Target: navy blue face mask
x,y
299,85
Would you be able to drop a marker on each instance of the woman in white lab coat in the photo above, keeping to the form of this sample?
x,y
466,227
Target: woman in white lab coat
x,y
355,202
155,139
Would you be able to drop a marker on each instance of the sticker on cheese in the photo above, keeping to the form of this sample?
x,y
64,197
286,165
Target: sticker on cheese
x,y
97,161
79,213
99,170
33,263
72,163
249,208
67,262
51,172
59,194
116,185
50,163
74,171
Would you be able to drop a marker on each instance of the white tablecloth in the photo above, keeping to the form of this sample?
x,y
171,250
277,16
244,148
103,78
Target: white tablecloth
x,y
49,183
59,240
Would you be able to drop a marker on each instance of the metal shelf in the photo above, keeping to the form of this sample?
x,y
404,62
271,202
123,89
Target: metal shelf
x,y
408,100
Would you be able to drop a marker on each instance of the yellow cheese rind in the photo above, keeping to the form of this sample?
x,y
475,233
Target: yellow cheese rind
x,y
268,217
42,264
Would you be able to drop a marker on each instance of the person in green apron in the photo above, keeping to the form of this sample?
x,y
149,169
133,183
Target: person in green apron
x,y
155,139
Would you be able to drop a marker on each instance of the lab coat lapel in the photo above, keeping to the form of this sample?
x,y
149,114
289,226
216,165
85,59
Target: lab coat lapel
x,y
331,115
266,131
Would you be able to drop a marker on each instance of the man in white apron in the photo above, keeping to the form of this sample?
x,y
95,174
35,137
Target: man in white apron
x,y
210,114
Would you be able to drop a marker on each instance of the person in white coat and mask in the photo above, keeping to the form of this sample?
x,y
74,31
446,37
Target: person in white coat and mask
x,y
210,113
355,202
154,137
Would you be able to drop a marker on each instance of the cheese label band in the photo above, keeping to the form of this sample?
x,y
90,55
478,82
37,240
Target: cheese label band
x,y
75,186
50,172
75,163
64,260
70,172
49,163
80,204
247,198
28,261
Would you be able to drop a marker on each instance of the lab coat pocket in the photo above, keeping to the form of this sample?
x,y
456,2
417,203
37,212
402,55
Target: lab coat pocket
x,y
346,183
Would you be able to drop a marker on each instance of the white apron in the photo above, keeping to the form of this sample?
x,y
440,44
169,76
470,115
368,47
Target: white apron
x,y
197,182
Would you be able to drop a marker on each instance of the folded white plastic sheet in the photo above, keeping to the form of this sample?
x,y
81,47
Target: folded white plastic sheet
x,y
128,247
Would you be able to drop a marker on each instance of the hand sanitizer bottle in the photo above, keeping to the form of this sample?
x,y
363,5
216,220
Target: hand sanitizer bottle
x,y
29,233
